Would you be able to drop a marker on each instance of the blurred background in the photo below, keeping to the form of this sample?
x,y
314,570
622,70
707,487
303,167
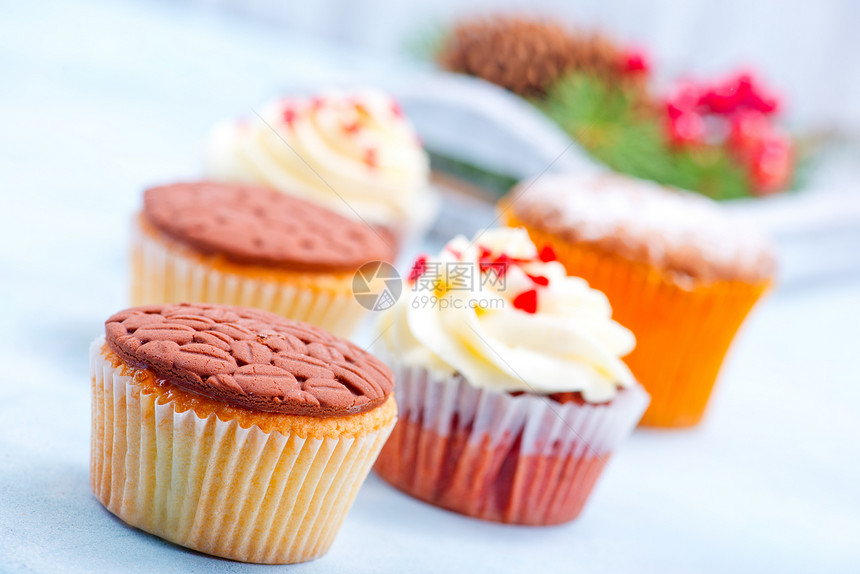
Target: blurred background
x,y
101,99
805,48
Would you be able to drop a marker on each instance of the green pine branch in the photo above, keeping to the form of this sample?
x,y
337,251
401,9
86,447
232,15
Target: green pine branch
x,y
625,133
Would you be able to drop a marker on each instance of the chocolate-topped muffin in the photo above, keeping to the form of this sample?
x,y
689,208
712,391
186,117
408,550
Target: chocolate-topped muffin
x,y
246,245
234,431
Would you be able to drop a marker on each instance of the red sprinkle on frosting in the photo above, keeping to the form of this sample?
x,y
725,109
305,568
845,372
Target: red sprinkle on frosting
x,y
547,254
418,268
499,264
289,116
539,280
370,157
526,301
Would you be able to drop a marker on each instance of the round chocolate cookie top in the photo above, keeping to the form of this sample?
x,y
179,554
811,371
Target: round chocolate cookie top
x,y
255,225
250,358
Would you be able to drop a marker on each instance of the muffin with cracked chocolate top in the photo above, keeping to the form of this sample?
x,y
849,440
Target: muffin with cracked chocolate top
x,y
234,431
245,245
679,271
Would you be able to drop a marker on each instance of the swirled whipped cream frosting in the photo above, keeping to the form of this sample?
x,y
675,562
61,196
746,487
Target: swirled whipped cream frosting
x,y
508,318
354,153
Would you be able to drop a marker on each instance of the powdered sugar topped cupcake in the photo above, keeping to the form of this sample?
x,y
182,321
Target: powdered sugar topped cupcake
x,y
683,233
679,271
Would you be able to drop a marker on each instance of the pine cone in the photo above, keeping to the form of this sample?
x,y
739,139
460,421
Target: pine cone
x,y
527,56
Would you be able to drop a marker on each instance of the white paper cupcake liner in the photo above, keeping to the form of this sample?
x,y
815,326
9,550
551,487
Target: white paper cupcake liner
x,y
522,459
213,486
160,275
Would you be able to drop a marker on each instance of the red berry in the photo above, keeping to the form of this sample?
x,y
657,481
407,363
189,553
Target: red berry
x,y
673,110
685,97
773,164
746,131
526,301
743,85
418,268
722,101
764,103
686,128
635,61
754,97
726,96
547,254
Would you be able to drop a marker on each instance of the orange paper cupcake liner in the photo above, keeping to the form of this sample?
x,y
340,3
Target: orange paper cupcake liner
x,y
682,331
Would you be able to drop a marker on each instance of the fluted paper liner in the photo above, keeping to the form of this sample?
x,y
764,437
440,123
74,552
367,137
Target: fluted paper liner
x,y
521,459
683,332
211,485
161,274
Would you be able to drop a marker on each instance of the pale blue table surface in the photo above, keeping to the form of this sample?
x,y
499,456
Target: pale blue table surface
x,y
101,99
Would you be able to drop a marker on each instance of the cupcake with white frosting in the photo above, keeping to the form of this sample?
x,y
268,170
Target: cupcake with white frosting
x,y
355,153
512,386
